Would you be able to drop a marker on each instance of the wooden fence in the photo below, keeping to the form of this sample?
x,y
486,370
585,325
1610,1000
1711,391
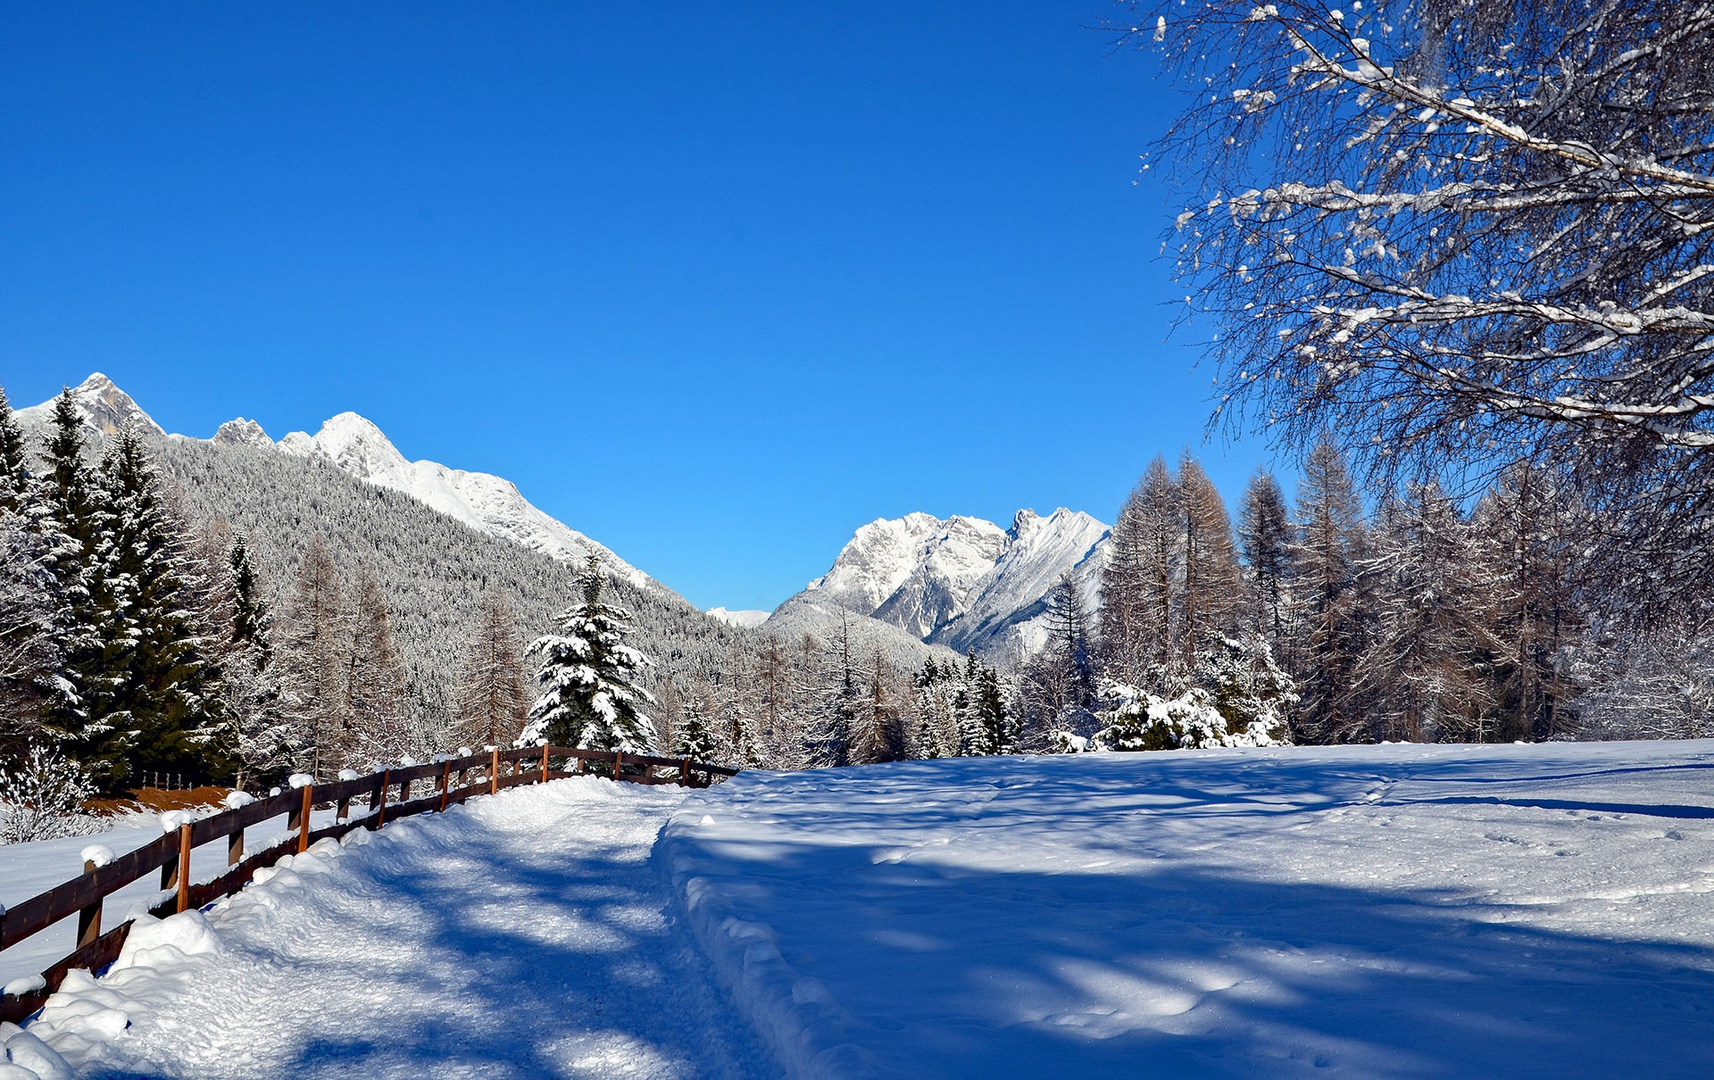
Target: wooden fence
x,y
452,781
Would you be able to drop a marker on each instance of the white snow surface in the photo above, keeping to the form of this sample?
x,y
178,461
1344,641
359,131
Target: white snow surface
x,y
963,582
525,934
1391,911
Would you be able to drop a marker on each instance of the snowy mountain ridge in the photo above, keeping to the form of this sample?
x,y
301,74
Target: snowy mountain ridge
x,y
487,503
963,582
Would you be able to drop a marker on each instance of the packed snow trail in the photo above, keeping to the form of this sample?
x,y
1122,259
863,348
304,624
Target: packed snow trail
x,y
1388,911
523,935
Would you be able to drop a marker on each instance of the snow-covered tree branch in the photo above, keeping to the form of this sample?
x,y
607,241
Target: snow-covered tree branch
x,y
1465,234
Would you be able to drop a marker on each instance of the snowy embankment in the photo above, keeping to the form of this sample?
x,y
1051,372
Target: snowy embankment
x,y
525,934
1392,911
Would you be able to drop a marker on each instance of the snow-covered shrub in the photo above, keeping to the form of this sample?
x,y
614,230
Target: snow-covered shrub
x,y
1236,697
40,796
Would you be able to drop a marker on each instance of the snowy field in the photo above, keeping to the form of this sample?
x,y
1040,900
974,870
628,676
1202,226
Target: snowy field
x,y
1395,911
1390,911
522,935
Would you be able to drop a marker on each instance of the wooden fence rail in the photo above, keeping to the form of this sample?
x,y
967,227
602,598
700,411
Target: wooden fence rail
x,y
387,796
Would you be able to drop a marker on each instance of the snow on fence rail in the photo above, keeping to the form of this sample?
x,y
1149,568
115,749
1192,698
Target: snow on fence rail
x,y
455,780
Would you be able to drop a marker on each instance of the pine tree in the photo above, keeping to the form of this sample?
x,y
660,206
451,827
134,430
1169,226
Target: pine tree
x,y
494,695
379,728
316,650
592,697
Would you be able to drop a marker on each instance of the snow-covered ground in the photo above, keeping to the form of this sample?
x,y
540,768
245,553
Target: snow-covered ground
x,y
28,870
1391,911
522,935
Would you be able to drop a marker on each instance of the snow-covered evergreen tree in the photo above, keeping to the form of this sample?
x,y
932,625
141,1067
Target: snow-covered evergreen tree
x,y
1266,536
592,694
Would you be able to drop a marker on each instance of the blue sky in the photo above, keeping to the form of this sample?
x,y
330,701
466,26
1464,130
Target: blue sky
x,y
714,283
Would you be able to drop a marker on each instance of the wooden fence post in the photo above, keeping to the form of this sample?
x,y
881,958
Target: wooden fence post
x,y
618,759
89,919
303,817
184,866
494,772
381,810
234,847
684,773
544,763
445,782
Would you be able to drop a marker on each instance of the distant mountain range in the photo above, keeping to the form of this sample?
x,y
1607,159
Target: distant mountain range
x,y
962,583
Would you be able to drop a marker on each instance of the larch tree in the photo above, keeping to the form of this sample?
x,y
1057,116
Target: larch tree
x,y
316,647
1326,561
1138,582
378,719
493,696
591,680
1211,594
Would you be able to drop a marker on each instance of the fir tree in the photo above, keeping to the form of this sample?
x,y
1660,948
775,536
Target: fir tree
x,y
592,697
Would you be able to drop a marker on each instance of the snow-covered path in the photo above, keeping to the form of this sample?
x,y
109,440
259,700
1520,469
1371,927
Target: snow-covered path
x,y
523,935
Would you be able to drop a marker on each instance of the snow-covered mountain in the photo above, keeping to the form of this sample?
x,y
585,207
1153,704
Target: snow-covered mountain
x,y
963,582
749,620
103,406
489,504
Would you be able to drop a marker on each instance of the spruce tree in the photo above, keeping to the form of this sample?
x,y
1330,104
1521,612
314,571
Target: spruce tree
x,y
592,695
1265,537
15,478
1138,582
69,526
160,688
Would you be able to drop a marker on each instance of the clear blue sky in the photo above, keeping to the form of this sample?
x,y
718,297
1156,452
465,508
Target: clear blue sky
x,y
714,283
